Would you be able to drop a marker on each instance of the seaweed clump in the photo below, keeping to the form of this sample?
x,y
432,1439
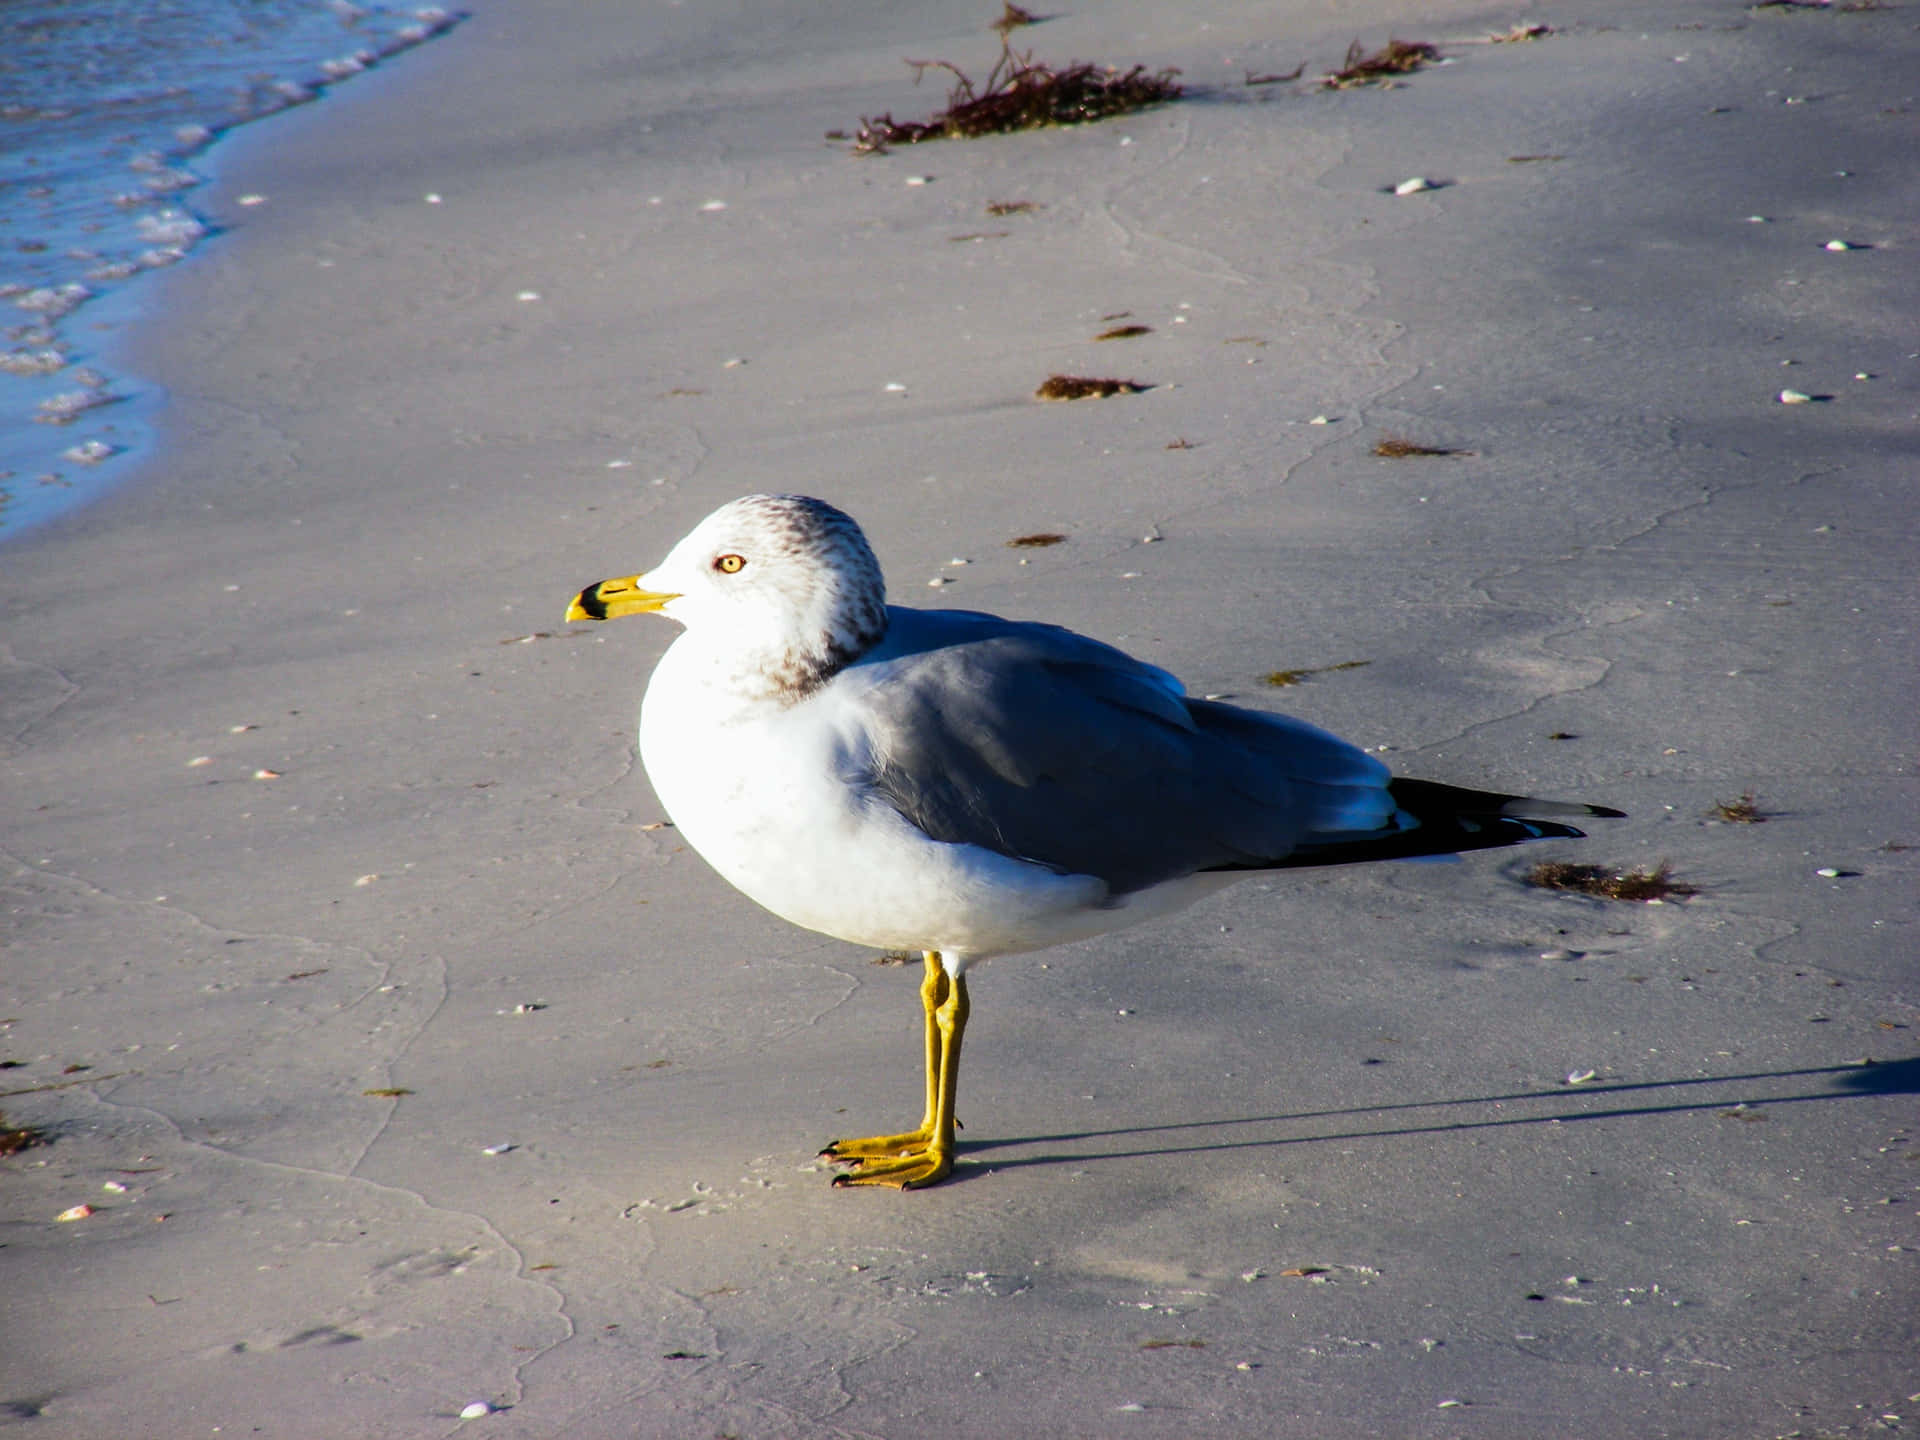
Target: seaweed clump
x,y
1280,679
1085,387
1021,93
1012,17
1642,886
1398,447
1399,57
1744,811
15,1138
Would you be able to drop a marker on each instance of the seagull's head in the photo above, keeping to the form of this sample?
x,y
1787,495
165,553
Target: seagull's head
x,y
784,586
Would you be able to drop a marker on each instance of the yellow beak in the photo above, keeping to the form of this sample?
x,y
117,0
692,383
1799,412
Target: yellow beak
x,y
611,599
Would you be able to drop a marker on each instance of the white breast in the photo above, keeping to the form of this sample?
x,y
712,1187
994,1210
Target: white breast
x,y
770,796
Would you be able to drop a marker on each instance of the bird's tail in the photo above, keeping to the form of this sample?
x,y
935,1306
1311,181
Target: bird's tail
x,y
1436,819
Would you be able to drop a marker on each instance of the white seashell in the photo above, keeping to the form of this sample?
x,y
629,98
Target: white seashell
x,y
1827,872
919,179
1841,245
1319,420
528,295
1794,397
77,1212
714,205
502,1148
1413,186
1580,1077
475,1410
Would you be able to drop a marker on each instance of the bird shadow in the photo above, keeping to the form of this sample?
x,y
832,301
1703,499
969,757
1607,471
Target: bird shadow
x,y
1559,1105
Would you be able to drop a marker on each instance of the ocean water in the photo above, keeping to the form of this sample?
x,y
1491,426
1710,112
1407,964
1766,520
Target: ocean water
x,y
104,107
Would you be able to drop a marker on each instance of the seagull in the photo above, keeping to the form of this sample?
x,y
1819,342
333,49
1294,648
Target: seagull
x,y
970,786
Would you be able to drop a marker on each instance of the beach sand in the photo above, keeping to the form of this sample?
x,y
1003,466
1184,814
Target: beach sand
x,y
310,795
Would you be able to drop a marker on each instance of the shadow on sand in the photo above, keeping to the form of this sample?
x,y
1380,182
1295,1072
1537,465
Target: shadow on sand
x,y
1561,1105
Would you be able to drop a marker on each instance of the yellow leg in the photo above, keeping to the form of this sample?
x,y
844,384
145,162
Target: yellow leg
x,y
924,1156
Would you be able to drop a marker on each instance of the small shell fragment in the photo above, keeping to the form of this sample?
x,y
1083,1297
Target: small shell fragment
x,y
475,1410
1837,245
1794,397
1827,872
502,1148
1580,1077
76,1212
1413,186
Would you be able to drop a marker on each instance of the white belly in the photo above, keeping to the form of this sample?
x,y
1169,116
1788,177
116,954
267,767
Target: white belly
x,y
769,796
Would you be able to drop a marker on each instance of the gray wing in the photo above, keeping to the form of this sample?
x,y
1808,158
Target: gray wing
x,y
1049,747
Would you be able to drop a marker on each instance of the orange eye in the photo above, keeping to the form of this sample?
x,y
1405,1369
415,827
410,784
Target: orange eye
x,y
730,564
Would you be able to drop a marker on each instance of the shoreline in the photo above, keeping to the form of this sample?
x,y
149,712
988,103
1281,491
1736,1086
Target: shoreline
x,y
433,1071
163,143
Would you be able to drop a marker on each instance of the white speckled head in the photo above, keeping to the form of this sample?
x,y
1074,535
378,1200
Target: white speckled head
x,y
785,587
